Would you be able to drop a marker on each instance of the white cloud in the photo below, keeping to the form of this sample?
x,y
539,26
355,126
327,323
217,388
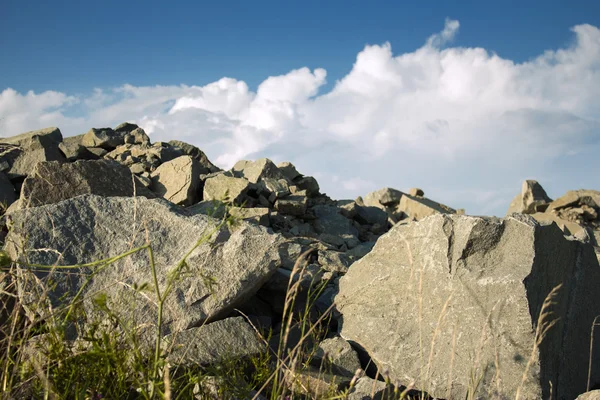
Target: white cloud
x,y
461,123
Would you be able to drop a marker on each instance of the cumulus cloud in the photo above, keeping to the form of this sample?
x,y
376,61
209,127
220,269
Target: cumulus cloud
x,y
462,123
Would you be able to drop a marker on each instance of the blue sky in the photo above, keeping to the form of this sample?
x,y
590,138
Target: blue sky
x,y
464,99
76,45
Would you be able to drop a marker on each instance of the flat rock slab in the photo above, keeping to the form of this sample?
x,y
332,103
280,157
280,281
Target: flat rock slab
x,y
493,275
51,182
219,275
226,340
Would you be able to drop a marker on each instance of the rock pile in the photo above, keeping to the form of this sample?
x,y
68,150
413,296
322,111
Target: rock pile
x,y
576,213
418,291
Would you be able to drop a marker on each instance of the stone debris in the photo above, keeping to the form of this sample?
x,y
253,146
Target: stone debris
x,y
384,265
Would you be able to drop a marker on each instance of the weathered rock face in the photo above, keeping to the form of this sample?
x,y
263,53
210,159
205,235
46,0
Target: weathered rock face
x,y
227,340
73,150
51,182
255,171
105,138
178,180
19,154
532,199
577,213
418,208
474,288
221,186
382,198
217,276
196,153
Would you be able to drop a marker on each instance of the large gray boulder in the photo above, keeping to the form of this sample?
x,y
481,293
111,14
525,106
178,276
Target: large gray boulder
x,y
52,182
532,199
452,297
19,154
178,181
217,276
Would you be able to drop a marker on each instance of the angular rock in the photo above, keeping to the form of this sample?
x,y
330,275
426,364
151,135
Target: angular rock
x,y
495,275
51,182
104,138
126,127
416,192
196,153
368,215
532,199
7,192
19,154
220,274
98,152
292,205
289,170
369,389
420,207
226,188
212,208
73,150
231,339
575,198
256,215
178,180
309,184
568,227
137,136
335,355
334,261
385,197
255,171
277,187
330,220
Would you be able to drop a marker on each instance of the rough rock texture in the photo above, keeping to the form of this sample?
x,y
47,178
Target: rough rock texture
x,y
51,182
593,395
105,138
218,275
335,355
367,389
19,154
289,170
255,171
494,275
386,197
314,383
221,187
256,215
292,205
420,207
196,153
226,340
532,199
178,180
73,150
